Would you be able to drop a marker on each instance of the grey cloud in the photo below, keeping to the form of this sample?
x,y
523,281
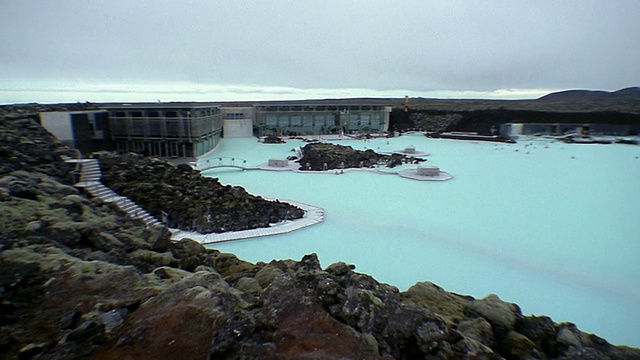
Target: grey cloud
x,y
413,45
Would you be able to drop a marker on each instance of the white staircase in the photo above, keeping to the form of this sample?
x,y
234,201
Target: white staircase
x,y
90,176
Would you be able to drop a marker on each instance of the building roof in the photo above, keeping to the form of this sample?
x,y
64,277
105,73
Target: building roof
x,y
157,105
228,104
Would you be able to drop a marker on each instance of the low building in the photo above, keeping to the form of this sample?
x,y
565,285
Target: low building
x,y
278,162
172,129
428,171
512,130
320,118
191,130
85,130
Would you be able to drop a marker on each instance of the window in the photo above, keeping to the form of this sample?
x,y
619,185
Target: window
x,y
234,116
271,120
173,128
138,128
307,120
283,121
155,127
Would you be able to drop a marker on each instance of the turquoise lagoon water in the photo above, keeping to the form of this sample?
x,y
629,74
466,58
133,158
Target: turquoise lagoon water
x,y
552,227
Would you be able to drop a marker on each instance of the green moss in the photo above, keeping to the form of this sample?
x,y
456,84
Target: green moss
x,y
433,298
228,264
17,214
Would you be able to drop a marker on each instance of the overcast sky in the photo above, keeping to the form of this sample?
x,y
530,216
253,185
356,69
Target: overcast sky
x,y
219,50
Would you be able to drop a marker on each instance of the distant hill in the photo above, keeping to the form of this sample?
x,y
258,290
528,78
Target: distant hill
x,y
630,93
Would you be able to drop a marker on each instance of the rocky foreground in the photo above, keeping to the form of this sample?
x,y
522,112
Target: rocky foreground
x,y
188,201
80,279
325,156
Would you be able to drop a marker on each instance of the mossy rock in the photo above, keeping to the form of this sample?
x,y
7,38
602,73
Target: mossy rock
x,y
153,258
517,346
265,276
340,268
477,329
500,314
229,264
249,285
187,248
169,273
429,296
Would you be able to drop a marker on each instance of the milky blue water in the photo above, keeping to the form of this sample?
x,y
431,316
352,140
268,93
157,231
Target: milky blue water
x,y
552,227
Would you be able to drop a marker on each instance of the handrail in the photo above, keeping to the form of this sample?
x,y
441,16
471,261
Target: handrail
x,y
221,162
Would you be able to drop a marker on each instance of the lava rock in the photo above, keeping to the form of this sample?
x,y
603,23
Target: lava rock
x,y
185,200
325,156
501,315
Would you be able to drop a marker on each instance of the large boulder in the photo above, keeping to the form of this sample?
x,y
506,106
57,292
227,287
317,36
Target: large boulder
x,y
303,329
182,321
429,296
501,315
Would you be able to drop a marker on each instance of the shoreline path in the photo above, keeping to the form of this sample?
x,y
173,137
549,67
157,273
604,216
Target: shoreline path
x,y
312,215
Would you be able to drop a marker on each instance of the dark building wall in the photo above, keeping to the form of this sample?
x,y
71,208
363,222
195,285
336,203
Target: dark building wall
x,y
482,121
91,132
165,131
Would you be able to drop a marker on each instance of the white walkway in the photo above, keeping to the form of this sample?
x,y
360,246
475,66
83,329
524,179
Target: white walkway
x,y
312,215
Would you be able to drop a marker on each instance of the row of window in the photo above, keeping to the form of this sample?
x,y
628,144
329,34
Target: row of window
x,y
312,108
322,120
165,127
234,116
168,148
197,113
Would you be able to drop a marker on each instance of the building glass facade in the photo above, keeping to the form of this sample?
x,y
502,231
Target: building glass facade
x,y
320,119
159,130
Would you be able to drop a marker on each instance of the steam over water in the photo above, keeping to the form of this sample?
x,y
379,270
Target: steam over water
x,y
552,227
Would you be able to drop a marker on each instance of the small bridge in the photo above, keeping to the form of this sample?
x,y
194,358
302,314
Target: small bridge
x,y
222,162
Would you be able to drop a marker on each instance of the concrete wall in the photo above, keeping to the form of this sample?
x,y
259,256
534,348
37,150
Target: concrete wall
x,y
238,121
237,128
58,123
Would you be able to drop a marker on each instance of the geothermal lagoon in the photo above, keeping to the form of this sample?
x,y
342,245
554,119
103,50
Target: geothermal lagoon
x,y
550,226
